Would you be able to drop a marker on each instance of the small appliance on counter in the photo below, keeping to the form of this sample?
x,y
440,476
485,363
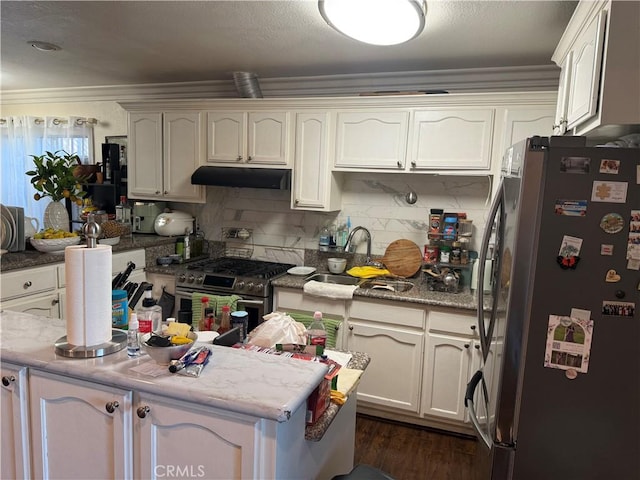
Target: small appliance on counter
x,y
169,224
144,216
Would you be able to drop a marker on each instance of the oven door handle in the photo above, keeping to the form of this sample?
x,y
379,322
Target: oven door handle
x,y
250,302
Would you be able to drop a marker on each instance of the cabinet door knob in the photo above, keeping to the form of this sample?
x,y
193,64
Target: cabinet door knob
x,y
413,164
351,327
142,411
239,159
55,301
477,347
157,192
111,406
8,380
466,345
399,164
249,158
27,284
297,202
472,327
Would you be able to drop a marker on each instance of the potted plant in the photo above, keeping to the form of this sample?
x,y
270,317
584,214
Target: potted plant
x,y
54,177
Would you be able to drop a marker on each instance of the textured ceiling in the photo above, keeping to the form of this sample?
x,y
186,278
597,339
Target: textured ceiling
x,y
138,42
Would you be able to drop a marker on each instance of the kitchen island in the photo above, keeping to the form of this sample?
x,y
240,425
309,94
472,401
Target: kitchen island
x,y
244,417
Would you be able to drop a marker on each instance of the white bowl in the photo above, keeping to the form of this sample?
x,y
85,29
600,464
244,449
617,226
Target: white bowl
x,y
53,245
109,241
164,355
337,265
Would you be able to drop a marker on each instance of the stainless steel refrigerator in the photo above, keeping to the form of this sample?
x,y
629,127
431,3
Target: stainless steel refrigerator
x,y
557,396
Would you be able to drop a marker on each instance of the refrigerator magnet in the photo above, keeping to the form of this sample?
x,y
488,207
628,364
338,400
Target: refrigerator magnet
x,y
571,374
611,167
571,208
618,309
606,249
575,164
612,276
612,223
568,343
611,192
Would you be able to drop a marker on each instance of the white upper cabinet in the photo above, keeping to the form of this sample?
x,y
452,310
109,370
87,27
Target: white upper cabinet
x,y
315,187
585,63
164,150
451,139
599,54
371,140
247,139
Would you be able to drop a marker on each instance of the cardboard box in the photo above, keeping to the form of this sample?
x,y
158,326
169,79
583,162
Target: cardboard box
x,y
320,398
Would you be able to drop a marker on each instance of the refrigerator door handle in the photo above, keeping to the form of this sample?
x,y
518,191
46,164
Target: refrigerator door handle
x,y
497,204
468,403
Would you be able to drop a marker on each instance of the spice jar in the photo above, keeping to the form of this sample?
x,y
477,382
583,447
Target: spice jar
x,y
456,253
445,254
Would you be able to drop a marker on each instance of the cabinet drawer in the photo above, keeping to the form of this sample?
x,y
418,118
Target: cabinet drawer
x,y
296,300
119,260
387,313
460,323
27,282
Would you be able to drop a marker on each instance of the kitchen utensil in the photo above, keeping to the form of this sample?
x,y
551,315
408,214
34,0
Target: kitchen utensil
x,y
122,277
402,258
173,223
29,228
411,197
163,355
337,265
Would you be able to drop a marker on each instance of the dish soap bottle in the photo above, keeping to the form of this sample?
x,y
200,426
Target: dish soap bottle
x,y
316,333
150,314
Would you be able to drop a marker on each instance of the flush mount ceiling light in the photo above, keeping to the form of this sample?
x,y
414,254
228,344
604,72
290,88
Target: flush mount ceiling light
x,y
44,46
378,22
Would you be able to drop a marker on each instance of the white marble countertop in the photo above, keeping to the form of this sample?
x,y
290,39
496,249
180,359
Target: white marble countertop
x,y
266,386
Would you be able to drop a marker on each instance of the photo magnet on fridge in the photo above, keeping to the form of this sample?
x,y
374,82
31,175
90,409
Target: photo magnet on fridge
x,y
571,208
568,343
611,192
611,167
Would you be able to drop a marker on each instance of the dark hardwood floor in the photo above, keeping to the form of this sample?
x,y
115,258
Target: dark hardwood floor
x,y
407,452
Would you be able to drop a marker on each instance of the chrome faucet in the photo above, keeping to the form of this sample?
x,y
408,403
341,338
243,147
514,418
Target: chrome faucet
x,y
348,247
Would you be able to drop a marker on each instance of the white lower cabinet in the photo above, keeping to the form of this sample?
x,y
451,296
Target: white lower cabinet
x,y
453,354
211,445
14,418
79,429
393,336
46,305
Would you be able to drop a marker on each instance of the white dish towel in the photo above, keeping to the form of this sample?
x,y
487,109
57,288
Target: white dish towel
x,y
330,290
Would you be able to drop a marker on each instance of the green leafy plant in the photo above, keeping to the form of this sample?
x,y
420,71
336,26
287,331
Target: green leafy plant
x,y
54,176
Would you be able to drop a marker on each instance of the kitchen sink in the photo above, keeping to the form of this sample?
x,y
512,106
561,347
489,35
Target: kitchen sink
x,y
337,279
390,285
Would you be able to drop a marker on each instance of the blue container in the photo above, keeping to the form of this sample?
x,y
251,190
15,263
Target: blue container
x,y
119,309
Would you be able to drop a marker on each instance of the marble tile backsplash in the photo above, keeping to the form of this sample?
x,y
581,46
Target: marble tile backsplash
x,y
375,201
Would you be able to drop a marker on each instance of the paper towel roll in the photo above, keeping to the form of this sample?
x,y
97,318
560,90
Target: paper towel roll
x,y
88,304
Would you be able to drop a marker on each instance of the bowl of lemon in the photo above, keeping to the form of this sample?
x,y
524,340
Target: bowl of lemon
x,y
52,240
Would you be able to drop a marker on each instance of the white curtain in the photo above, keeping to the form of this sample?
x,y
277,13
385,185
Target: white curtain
x,y
23,136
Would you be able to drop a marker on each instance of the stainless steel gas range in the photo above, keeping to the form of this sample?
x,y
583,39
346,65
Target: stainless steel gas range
x,y
249,279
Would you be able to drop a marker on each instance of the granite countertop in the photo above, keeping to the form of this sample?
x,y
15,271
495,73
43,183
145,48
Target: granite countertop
x,y
33,258
266,386
418,294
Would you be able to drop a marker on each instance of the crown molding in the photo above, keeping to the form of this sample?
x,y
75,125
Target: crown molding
x,y
499,79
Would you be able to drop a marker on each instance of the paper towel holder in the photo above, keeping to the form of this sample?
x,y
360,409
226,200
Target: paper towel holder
x,y
118,342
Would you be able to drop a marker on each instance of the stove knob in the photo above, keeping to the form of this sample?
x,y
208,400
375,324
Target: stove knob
x,y
191,279
249,286
258,287
200,279
240,285
182,277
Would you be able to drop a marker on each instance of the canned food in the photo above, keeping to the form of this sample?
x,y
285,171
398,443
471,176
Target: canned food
x,y
431,253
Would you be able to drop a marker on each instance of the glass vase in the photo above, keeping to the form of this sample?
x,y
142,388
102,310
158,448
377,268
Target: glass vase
x,y
56,216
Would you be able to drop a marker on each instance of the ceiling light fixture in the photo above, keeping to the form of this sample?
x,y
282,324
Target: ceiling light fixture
x,y
377,22
44,46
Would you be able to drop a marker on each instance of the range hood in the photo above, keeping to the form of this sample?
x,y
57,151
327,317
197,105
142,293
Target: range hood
x,y
274,178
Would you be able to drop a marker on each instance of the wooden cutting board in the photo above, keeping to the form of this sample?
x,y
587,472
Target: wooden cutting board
x,y
403,258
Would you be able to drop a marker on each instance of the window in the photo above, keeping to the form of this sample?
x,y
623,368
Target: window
x,y
21,137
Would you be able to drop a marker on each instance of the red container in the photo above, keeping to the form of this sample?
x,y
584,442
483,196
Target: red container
x,y
431,253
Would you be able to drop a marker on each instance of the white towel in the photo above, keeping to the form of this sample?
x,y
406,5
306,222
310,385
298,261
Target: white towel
x,y
330,290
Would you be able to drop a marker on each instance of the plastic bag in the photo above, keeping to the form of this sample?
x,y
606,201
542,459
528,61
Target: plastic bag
x,y
277,327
